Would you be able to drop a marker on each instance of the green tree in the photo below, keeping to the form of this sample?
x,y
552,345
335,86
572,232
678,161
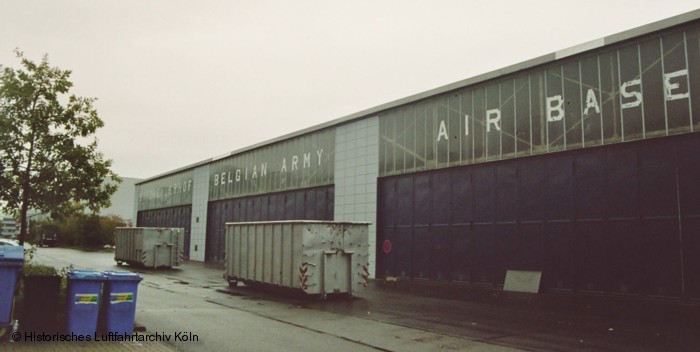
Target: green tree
x,y
47,145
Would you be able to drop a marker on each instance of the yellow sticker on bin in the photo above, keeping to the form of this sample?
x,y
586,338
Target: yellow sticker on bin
x,y
85,298
122,297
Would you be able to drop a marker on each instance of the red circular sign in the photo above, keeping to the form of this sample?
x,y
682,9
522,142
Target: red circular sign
x,y
386,246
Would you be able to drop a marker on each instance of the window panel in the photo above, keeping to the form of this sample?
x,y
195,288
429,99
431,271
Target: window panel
x,y
507,118
430,134
410,153
382,145
493,122
399,151
676,79
591,101
609,83
652,80
631,93
479,123
693,51
419,111
555,109
442,135
455,129
391,143
537,113
304,161
522,114
572,99
467,118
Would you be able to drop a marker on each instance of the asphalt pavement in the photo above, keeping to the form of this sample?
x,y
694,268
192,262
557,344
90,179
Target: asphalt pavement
x,y
389,316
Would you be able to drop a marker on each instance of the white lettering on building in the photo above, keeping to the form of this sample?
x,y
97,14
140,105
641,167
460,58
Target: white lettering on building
x,y
493,117
633,94
319,152
307,160
675,88
669,87
442,131
257,171
555,108
591,103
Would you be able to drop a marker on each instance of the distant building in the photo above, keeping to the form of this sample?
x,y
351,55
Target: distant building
x,y
8,227
123,200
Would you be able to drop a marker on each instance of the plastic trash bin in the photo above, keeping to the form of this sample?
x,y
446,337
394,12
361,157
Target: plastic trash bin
x,y
84,288
40,308
119,304
11,261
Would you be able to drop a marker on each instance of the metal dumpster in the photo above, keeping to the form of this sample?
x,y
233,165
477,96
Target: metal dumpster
x,y
315,257
152,247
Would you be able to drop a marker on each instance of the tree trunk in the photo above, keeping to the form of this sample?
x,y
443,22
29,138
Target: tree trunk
x,y
25,194
23,219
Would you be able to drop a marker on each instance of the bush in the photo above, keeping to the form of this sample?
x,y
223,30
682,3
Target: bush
x,y
86,231
30,269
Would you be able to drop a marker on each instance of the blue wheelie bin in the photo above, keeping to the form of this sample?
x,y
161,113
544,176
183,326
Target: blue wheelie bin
x,y
119,305
11,261
84,291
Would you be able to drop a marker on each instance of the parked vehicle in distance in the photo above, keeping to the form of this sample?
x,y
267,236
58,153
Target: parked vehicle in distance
x,y
8,242
48,240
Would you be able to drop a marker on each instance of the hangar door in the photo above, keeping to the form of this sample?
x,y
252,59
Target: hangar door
x,y
303,204
180,216
620,219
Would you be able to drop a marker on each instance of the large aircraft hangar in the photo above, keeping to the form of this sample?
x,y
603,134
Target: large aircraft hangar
x,y
582,165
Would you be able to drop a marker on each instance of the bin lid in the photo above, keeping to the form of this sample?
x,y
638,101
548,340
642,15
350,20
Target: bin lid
x,y
122,276
12,254
85,275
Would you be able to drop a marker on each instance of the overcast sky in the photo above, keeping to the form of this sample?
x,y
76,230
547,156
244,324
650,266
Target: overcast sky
x,y
178,82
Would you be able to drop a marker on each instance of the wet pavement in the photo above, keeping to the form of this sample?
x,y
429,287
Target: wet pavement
x,y
535,322
388,316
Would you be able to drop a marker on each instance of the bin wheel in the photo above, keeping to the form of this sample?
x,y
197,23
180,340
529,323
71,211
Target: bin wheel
x,y
120,263
3,332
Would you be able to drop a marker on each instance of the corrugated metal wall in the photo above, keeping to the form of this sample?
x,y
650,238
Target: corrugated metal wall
x,y
615,219
303,204
180,216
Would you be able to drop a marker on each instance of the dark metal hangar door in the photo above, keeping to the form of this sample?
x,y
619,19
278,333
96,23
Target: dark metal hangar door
x,y
617,219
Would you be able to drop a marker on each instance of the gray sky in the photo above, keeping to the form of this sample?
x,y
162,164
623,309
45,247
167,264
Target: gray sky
x,y
181,81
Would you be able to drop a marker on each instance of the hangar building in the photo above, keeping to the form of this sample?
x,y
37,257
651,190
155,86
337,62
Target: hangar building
x,y
583,165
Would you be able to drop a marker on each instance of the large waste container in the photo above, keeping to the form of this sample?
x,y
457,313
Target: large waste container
x,y
84,292
11,261
315,257
152,247
119,304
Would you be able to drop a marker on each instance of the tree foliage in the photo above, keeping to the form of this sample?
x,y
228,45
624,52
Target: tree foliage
x,y
87,231
48,152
